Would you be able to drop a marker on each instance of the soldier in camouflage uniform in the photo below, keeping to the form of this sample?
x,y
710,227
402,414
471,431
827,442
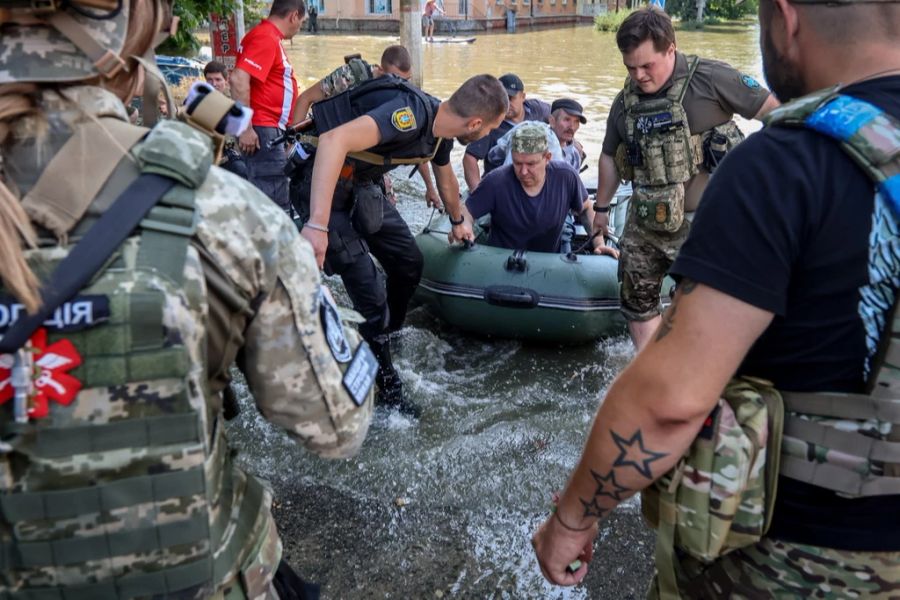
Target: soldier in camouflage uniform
x,y
791,274
671,108
117,479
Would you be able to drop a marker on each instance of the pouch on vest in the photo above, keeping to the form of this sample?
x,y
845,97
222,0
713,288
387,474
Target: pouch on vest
x,y
719,141
658,207
367,213
721,495
345,244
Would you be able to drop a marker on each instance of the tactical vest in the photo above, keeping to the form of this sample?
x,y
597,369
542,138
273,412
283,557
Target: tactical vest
x,y
343,108
352,73
661,149
119,483
842,459
660,153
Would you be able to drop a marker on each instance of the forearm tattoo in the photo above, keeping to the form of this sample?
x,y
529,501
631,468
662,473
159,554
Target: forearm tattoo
x,y
632,453
668,319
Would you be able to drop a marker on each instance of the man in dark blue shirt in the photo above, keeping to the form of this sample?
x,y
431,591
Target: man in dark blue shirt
x,y
790,273
529,200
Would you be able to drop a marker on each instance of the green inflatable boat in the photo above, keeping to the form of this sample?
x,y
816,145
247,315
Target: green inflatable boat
x,y
535,296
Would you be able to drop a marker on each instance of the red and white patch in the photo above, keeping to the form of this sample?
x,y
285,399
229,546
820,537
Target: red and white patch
x,y
50,377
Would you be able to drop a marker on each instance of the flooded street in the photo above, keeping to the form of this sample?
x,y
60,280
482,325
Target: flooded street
x,y
445,506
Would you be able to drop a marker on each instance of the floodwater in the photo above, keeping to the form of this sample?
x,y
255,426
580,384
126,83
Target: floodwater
x,y
445,506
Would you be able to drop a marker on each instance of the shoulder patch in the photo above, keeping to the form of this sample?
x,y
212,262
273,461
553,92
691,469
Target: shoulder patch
x,y
333,328
749,82
403,119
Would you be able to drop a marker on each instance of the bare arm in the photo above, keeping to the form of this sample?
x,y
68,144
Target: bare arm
x,y
607,184
239,81
768,106
307,98
448,188
471,172
649,417
432,198
334,145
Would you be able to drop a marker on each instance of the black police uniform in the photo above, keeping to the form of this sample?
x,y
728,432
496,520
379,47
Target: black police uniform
x,y
363,220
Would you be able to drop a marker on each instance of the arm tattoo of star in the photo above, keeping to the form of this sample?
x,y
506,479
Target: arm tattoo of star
x,y
668,319
633,453
608,486
592,509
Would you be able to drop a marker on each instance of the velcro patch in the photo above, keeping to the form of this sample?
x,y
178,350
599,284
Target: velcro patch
x,y
81,312
333,328
360,375
403,119
749,82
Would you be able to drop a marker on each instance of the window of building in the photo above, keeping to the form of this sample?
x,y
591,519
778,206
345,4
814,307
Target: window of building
x,y
463,7
379,7
319,4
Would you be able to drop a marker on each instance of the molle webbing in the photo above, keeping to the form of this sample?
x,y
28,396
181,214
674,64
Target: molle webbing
x,y
337,110
377,159
871,138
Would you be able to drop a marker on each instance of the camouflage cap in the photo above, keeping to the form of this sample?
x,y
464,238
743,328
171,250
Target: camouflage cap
x,y
41,52
529,138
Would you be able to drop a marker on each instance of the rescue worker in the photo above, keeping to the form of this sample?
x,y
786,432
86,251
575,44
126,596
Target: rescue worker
x,y
216,74
118,477
395,60
380,124
790,273
666,131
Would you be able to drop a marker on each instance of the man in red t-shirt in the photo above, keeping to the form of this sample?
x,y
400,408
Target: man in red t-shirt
x,y
263,79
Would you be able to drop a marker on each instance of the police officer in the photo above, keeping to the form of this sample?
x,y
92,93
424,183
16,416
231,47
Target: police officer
x,y
363,133
790,273
118,480
666,130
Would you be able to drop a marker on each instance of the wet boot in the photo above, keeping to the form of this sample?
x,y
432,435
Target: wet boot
x,y
390,388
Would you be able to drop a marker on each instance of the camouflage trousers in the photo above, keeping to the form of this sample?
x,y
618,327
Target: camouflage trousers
x,y
645,258
774,569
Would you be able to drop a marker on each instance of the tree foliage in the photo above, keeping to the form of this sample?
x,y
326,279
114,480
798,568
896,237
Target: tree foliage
x,y
686,10
194,15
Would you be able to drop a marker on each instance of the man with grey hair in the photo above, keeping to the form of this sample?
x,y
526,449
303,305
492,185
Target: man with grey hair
x,y
789,279
566,116
529,199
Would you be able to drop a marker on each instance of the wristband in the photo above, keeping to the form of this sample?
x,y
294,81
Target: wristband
x,y
316,226
601,209
462,220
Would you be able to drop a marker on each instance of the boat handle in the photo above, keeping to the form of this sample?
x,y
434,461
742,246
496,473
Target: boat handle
x,y
511,296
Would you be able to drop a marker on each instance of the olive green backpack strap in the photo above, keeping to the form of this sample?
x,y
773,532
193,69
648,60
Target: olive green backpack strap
x,y
183,153
679,86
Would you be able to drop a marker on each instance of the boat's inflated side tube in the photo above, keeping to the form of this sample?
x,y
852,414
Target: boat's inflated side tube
x,y
510,296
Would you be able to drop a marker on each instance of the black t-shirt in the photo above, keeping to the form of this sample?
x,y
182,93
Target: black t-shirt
x,y
401,117
786,224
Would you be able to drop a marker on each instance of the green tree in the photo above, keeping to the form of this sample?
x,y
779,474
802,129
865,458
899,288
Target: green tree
x,y
193,15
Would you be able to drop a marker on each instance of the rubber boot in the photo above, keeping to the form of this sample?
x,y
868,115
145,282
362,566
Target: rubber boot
x,y
390,388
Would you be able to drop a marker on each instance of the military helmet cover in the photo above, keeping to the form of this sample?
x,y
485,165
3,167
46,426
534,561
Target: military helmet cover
x,y
34,51
529,138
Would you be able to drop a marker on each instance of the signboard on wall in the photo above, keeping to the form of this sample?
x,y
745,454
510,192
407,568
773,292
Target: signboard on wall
x,y
223,38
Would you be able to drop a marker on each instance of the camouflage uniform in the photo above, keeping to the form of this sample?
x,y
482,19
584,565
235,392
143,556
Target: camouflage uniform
x,y
671,168
345,77
95,500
